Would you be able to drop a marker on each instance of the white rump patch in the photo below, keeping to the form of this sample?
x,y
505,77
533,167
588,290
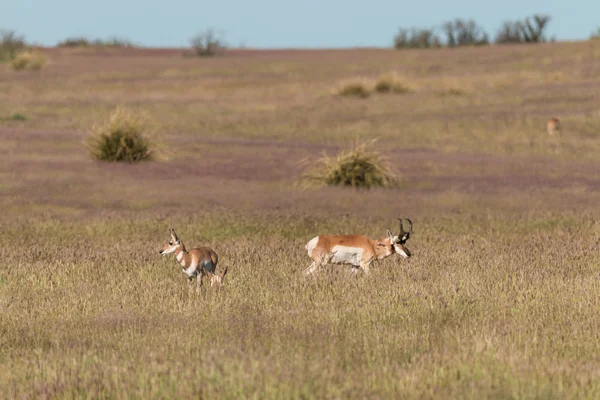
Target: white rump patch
x,y
310,246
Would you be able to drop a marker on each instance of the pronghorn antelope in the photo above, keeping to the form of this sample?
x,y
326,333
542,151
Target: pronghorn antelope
x,y
195,263
356,250
553,126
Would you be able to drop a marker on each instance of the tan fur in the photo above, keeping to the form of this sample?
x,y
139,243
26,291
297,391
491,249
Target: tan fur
x,y
216,280
553,126
356,250
191,261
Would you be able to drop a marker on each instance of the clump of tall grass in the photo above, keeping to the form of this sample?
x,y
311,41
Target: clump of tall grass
x,y
353,89
391,84
124,137
14,117
359,166
28,60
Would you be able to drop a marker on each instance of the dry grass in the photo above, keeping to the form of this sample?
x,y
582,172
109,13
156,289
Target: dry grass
x,y
33,60
500,298
484,309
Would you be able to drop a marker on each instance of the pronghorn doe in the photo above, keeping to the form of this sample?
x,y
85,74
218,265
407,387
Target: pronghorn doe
x,y
195,263
553,126
356,250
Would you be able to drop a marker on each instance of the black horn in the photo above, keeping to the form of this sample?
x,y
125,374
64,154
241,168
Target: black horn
x,y
409,227
403,235
401,228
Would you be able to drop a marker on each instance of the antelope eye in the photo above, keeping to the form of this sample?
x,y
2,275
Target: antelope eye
x,y
171,242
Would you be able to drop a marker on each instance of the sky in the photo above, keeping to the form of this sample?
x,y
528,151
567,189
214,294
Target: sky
x,y
278,23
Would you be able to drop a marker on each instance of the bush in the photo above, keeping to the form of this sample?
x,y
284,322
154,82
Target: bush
x,y
84,42
74,42
524,31
464,33
354,89
390,84
358,167
416,39
207,43
596,35
122,138
14,117
114,42
28,60
10,45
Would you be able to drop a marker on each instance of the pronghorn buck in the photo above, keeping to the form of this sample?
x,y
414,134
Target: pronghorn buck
x,y
356,250
197,262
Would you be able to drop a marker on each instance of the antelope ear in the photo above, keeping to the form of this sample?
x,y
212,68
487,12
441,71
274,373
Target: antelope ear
x,y
174,235
390,234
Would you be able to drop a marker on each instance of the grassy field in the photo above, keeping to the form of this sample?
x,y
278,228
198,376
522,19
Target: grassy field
x,y
501,298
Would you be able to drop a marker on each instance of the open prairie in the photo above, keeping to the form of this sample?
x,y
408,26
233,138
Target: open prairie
x,y
501,298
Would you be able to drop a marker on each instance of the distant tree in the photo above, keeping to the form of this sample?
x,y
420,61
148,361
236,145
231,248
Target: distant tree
x,y
416,38
10,44
464,33
207,43
530,30
596,34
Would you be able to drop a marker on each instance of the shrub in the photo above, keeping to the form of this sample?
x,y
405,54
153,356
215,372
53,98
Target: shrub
x,y
353,89
84,42
390,84
10,45
28,60
74,42
595,35
14,117
416,39
122,138
207,43
358,166
524,31
114,41
464,33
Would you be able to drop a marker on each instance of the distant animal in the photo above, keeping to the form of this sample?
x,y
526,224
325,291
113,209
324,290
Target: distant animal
x,y
195,263
356,250
553,126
